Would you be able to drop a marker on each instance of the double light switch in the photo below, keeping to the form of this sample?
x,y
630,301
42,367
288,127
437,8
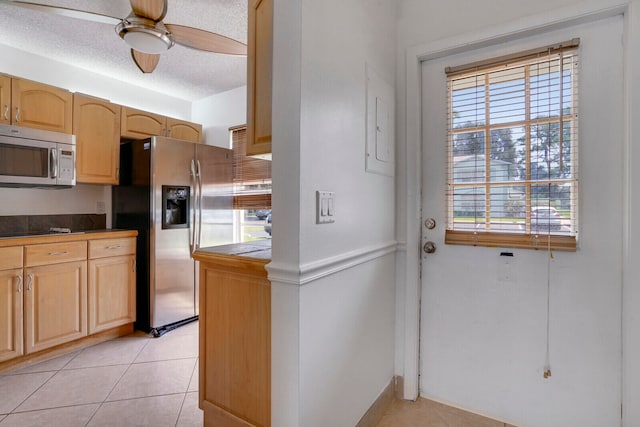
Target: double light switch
x,y
325,207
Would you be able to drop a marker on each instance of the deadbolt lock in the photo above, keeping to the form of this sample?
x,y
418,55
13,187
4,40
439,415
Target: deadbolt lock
x,y
430,223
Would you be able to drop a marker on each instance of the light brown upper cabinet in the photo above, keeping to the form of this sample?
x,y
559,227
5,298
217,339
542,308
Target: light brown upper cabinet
x,y
96,124
5,99
141,124
36,105
259,72
187,131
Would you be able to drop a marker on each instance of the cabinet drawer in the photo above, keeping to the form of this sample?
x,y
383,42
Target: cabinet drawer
x,y
112,247
54,253
10,257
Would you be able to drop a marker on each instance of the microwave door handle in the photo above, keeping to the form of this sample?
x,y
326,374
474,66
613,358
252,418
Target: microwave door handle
x,y
54,162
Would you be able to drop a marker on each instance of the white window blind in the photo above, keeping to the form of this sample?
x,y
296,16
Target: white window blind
x,y
513,150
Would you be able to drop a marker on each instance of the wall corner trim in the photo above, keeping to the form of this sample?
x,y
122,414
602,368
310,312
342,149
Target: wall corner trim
x,y
306,273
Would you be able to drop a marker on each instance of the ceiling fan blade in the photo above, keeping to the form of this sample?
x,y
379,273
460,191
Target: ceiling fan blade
x,y
206,40
150,9
64,11
146,62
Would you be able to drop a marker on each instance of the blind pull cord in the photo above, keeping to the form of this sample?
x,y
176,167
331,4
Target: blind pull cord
x,y
547,364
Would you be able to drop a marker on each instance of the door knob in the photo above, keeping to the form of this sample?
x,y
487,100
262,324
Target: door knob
x,y
429,247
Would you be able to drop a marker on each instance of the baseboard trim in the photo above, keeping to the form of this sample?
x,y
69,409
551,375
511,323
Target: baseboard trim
x,y
311,271
399,387
376,411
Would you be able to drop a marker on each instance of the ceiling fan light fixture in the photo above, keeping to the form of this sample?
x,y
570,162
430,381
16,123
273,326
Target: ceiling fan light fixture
x,y
145,38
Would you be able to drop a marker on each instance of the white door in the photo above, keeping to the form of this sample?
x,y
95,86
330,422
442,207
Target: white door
x,y
483,326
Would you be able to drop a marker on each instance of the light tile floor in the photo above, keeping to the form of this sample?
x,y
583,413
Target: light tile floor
x,y
131,381
427,413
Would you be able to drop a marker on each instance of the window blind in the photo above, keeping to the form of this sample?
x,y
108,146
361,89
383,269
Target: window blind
x,y
251,176
513,150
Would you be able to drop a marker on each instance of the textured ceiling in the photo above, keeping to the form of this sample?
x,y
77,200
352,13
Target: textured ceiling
x,y
182,72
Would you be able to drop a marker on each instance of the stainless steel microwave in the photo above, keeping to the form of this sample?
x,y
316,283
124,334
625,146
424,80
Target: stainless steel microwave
x,y
36,158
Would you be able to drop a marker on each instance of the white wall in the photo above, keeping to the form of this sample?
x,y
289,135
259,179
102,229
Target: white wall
x,y
82,199
631,231
219,112
429,24
338,336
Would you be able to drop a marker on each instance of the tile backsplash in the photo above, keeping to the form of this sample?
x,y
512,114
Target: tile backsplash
x,y
17,225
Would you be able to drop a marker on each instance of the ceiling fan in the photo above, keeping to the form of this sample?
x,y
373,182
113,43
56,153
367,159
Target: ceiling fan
x,y
146,34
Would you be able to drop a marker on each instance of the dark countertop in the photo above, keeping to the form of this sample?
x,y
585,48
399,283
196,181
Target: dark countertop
x,y
36,238
259,249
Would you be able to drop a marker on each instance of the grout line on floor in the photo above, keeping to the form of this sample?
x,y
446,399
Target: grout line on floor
x,y
144,397
184,398
165,360
33,392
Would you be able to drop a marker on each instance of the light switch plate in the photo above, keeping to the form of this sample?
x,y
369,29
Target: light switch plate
x,y
325,207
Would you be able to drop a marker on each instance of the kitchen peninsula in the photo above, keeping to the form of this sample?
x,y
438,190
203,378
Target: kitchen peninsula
x,y
235,334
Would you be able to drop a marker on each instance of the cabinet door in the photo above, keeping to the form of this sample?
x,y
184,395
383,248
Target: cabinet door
x,y
96,124
112,292
11,288
40,106
180,129
259,72
5,99
235,347
141,124
55,305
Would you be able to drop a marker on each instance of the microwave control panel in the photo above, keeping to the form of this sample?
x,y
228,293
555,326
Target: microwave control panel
x,y
66,164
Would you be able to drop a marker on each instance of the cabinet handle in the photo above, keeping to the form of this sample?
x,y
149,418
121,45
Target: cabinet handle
x,y
114,247
19,285
30,281
17,114
6,112
58,253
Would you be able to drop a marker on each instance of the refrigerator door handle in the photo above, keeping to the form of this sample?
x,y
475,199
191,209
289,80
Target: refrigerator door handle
x,y
199,223
192,224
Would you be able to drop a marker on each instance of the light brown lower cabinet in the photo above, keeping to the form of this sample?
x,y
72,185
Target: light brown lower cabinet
x,y
112,292
55,304
57,292
11,315
235,344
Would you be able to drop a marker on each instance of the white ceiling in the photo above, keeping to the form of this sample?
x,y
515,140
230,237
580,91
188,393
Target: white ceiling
x,y
182,72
